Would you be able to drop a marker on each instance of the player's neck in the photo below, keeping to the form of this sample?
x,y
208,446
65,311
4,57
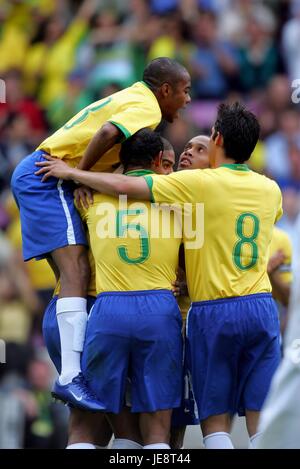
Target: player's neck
x,y
222,159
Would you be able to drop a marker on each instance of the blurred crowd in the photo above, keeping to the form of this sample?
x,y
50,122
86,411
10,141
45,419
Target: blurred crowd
x,y
56,57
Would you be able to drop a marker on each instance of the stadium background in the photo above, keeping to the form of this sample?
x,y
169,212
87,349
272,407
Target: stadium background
x,y
58,56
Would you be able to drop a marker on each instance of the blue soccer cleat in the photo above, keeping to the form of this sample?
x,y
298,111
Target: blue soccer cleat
x,y
77,394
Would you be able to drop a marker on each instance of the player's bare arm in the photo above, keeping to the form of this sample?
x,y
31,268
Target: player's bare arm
x,y
103,140
111,184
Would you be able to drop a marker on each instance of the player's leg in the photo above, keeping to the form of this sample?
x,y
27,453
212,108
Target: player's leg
x,y
259,361
71,311
88,430
156,364
73,266
155,428
126,430
216,432
53,267
52,226
252,418
79,395
213,348
177,437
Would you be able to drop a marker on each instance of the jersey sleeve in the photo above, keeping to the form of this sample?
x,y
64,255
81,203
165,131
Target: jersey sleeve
x,y
279,204
133,118
177,188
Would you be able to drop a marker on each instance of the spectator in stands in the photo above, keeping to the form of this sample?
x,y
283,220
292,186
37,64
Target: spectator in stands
x,y
214,64
259,56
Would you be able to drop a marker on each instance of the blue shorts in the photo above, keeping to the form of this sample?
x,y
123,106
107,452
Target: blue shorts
x,y
233,351
49,219
51,331
135,334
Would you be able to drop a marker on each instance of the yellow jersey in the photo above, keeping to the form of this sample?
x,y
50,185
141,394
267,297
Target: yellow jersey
x,y
128,244
130,110
281,241
234,210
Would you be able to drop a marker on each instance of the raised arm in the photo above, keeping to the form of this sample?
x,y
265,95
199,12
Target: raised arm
x,y
113,184
103,140
107,183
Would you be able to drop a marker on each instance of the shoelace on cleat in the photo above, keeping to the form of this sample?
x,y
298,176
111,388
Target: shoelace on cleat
x,y
82,385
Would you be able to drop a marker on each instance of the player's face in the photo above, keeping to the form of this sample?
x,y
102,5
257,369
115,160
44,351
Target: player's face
x,y
167,162
175,98
195,154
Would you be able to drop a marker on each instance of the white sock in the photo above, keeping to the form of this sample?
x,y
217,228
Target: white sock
x,y
72,319
123,443
157,446
218,440
81,446
254,440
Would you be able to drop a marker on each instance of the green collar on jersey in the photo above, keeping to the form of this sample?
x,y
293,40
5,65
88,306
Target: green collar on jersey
x,y
236,167
139,172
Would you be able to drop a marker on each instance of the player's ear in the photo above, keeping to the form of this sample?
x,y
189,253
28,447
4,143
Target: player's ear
x,y
158,159
165,89
218,139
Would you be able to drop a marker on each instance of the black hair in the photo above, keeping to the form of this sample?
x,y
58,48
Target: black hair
x,y
163,70
167,145
141,149
239,129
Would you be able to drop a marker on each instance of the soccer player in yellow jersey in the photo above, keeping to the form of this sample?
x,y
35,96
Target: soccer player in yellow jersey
x,y
89,430
134,329
233,327
51,226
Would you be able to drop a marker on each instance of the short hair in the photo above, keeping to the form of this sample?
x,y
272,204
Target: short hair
x,y
163,70
239,129
167,145
141,149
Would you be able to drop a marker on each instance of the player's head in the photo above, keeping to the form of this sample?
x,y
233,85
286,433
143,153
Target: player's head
x,y
142,151
168,158
195,154
236,132
171,83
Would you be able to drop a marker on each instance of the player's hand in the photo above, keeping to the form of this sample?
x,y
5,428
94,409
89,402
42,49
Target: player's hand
x,y
179,288
83,197
275,261
53,167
